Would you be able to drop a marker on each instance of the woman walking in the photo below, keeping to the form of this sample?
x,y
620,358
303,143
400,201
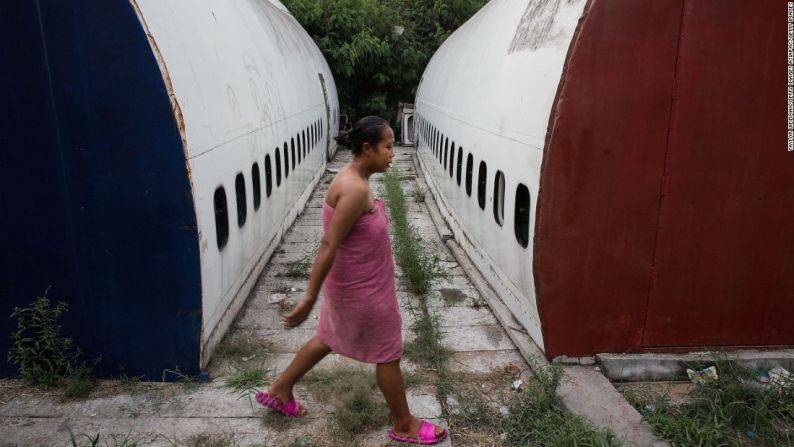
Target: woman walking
x,y
359,315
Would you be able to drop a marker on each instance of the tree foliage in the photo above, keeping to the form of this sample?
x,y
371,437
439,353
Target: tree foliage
x,y
378,49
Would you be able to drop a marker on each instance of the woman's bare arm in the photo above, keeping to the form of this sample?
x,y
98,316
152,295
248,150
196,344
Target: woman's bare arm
x,y
351,203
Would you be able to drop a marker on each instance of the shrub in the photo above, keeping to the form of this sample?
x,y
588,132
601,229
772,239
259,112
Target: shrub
x,y
42,355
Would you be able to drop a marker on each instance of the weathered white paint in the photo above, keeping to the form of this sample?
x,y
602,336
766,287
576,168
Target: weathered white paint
x,y
490,89
244,75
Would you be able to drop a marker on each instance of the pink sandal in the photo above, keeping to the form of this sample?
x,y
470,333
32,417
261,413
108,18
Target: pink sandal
x,y
425,436
290,409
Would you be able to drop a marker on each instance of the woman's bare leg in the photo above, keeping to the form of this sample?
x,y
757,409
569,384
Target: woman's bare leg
x,y
309,355
390,381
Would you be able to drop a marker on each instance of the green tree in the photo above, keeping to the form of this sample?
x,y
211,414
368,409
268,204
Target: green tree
x,y
378,49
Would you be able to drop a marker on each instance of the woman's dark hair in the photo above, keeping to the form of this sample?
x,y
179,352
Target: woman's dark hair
x,y
369,129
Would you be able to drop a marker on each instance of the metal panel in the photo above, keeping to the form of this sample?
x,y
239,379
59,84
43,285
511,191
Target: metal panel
x,y
100,205
601,175
725,249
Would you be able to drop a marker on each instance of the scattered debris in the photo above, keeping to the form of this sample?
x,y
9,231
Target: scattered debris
x,y
517,384
512,368
779,376
762,376
703,376
277,298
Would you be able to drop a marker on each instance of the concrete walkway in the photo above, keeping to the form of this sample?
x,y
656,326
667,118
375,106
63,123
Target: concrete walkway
x,y
208,414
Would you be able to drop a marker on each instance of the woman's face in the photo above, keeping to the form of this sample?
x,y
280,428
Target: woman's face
x,y
384,151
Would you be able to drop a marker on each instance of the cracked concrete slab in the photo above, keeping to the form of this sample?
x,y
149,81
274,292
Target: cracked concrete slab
x,y
587,393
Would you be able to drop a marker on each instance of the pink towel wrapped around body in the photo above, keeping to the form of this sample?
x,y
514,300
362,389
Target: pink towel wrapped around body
x,y
359,314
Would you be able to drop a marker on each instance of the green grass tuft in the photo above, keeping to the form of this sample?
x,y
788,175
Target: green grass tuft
x,y
418,194
211,440
246,382
338,381
536,418
86,440
80,384
723,412
420,268
303,441
301,267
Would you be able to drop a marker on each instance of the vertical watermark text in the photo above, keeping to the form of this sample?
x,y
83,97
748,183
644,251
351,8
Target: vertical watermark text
x,y
790,76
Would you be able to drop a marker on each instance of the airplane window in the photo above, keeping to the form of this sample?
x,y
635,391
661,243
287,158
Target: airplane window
x,y
292,146
446,152
268,176
499,198
469,168
460,163
242,211
278,168
257,185
522,215
286,160
481,183
300,150
221,218
452,159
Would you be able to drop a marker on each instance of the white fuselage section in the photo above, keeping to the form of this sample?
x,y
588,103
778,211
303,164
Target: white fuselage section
x,y
490,89
244,78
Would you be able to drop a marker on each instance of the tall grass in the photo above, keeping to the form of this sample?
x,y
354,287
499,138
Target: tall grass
x,y
733,410
421,269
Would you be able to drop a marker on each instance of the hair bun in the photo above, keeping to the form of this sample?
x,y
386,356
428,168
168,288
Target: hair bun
x,y
344,140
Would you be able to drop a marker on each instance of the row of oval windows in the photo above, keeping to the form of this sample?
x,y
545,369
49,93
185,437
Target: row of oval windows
x,y
307,140
445,154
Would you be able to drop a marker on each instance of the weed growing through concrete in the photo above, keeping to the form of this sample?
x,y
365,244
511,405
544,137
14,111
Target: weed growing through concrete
x,y
128,384
473,407
247,381
43,356
418,194
237,349
211,440
301,267
274,420
427,350
355,395
303,441
357,413
413,380
734,410
536,418
326,384
189,383
86,440
421,270
79,384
